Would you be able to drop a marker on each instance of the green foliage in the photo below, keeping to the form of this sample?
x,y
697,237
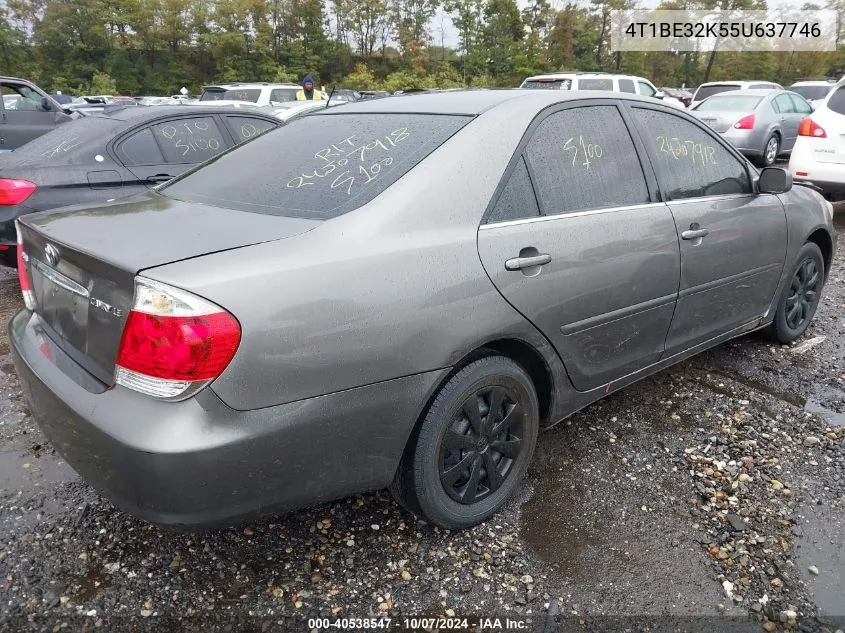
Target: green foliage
x,y
158,46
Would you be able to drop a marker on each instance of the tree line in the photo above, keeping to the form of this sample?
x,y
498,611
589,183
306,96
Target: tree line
x,y
157,46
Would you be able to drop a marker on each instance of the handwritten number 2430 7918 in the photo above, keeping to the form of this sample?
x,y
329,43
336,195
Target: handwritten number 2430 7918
x,y
339,155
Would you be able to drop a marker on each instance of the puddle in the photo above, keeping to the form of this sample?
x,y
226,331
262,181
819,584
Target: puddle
x,y
21,471
792,398
833,418
822,545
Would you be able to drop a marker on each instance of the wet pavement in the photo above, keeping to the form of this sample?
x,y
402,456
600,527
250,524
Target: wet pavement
x,y
714,489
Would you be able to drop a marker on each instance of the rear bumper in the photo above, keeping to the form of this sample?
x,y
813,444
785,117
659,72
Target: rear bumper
x,y
201,463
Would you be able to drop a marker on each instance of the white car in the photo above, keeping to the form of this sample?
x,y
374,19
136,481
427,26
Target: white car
x,y
813,91
716,87
819,153
256,94
598,81
293,109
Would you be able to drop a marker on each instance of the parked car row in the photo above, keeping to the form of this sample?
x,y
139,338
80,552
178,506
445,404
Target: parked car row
x,y
362,298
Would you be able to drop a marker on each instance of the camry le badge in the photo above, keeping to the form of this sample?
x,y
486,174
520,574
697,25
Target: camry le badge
x,y
52,255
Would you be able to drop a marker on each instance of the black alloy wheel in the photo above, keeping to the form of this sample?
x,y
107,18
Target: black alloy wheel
x,y
800,297
469,453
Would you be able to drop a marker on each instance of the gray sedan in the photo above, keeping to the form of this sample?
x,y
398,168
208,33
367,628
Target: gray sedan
x,y
762,124
406,300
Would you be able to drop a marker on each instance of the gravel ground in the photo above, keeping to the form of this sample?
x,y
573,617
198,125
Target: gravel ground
x,y
715,489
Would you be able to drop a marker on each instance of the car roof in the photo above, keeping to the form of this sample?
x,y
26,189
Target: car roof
x,y
582,74
744,82
754,92
252,84
474,102
139,114
814,82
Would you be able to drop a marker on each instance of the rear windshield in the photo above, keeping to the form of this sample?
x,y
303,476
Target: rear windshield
x,y
729,103
547,84
317,167
812,92
595,84
709,91
233,94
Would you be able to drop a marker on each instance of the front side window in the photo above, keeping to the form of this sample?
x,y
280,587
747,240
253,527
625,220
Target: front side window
x,y
189,140
689,161
583,159
646,90
245,128
340,162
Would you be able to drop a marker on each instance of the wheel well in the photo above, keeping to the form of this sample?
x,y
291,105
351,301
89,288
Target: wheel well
x,y
821,238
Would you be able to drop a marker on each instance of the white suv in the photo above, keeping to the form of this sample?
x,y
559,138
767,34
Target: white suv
x,y
591,81
813,91
715,87
258,94
819,154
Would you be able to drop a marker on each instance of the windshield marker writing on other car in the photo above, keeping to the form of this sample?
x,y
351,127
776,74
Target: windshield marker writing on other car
x,y
589,150
371,172
64,146
679,149
196,142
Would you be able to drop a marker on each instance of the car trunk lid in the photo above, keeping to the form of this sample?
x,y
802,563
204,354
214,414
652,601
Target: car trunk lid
x,y
82,264
831,147
720,121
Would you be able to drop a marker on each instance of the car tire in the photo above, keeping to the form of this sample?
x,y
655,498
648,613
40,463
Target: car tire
x,y
771,150
445,474
800,297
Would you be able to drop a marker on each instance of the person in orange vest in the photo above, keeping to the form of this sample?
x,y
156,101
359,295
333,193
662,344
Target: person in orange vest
x,y
309,92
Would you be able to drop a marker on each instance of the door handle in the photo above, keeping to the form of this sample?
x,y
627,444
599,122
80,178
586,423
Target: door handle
x,y
694,234
160,178
518,263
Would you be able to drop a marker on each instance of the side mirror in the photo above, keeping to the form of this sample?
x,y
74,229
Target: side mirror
x,y
46,104
774,180
659,94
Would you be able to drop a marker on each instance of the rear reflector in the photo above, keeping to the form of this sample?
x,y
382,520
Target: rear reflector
x,y
808,127
800,173
174,343
15,191
745,123
23,274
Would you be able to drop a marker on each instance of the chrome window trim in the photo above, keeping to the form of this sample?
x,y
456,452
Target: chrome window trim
x,y
574,214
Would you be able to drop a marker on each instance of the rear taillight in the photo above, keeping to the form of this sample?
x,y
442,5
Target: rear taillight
x,y
174,343
15,191
23,274
808,127
745,123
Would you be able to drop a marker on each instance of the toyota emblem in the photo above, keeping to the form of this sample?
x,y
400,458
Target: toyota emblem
x,y
52,255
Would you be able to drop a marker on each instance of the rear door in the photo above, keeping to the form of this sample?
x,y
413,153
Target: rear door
x,y
164,149
733,241
789,119
593,262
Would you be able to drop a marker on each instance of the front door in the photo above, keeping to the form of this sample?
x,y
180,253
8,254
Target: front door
x,y
595,265
733,241
24,116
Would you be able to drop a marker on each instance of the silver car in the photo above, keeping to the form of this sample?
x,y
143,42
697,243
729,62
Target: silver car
x,y
404,300
762,124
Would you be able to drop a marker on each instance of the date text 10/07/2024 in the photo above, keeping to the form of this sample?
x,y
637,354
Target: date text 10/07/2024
x,y
418,624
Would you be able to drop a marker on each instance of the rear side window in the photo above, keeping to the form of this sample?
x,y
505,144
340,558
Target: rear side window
x,y
233,94
627,85
783,104
340,162
191,140
801,106
690,163
836,102
281,95
583,159
246,128
595,84
140,149
517,200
